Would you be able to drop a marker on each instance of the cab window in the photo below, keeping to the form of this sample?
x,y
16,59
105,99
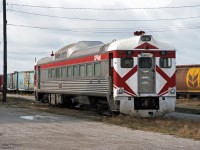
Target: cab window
x,y
165,63
127,62
145,62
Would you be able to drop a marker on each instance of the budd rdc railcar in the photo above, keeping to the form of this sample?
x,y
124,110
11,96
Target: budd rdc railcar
x,y
133,76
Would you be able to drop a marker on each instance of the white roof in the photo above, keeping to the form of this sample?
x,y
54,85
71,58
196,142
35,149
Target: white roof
x,y
134,42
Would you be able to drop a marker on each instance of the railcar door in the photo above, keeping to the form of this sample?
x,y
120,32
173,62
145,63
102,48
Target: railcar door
x,y
146,73
39,76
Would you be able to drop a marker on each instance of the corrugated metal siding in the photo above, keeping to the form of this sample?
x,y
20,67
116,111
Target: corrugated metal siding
x,y
26,81
188,79
31,81
73,86
1,81
12,81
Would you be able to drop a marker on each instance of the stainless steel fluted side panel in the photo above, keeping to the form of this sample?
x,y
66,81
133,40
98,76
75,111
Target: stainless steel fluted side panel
x,y
82,86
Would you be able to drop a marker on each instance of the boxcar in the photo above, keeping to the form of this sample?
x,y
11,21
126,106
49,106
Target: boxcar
x,y
20,81
26,81
1,82
188,80
12,82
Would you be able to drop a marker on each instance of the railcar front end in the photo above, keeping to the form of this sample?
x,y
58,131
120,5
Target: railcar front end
x,y
144,76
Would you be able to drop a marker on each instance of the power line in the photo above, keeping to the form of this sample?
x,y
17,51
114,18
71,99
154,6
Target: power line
x,y
70,30
115,29
106,20
111,31
105,9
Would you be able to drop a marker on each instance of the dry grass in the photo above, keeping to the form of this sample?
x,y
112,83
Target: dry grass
x,y
193,102
191,106
180,128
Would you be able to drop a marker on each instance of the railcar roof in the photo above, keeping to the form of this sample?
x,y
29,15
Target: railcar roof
x,y
134,42
84,48
45,60
70,49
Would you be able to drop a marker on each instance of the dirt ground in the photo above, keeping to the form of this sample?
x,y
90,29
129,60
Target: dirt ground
x,y
27,129
41,127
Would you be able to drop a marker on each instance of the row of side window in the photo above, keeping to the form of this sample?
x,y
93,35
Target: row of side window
x,y
85,70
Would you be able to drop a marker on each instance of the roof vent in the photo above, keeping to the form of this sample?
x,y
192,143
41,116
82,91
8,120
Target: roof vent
x,y
138,33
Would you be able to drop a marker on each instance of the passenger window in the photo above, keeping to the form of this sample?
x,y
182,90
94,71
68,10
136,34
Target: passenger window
x,y
49,73
57,72
63,72
165,62
89,70
53,73
82,70
75,71
145,62
97,69
69,71
127,62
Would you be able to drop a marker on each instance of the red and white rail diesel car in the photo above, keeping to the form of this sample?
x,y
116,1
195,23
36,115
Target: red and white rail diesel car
x,y
133,76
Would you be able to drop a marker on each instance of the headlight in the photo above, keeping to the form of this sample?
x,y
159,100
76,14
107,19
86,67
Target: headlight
x,y
172,90
120,90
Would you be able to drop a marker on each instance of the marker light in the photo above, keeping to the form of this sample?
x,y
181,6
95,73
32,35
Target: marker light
x,y
146,38
120,90
172,90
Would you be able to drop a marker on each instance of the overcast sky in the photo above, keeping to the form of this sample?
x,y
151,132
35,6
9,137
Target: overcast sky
x,y
33,32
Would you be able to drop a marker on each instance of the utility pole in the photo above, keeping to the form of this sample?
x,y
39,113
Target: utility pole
x,y
5,51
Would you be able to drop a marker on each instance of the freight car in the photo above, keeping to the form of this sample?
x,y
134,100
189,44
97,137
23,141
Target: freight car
x,y
12,82
22,81
188,80
133,76
1,82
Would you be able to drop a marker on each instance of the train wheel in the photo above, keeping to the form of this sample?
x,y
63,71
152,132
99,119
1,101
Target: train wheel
x,y
38,96
105,110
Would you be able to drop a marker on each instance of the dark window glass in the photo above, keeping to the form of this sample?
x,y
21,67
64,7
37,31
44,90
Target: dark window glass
x,y
97,69
82,70
53,73
69,71
165,62
89,70
49,73
145,62
126,62
63,72
57,72
75,71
